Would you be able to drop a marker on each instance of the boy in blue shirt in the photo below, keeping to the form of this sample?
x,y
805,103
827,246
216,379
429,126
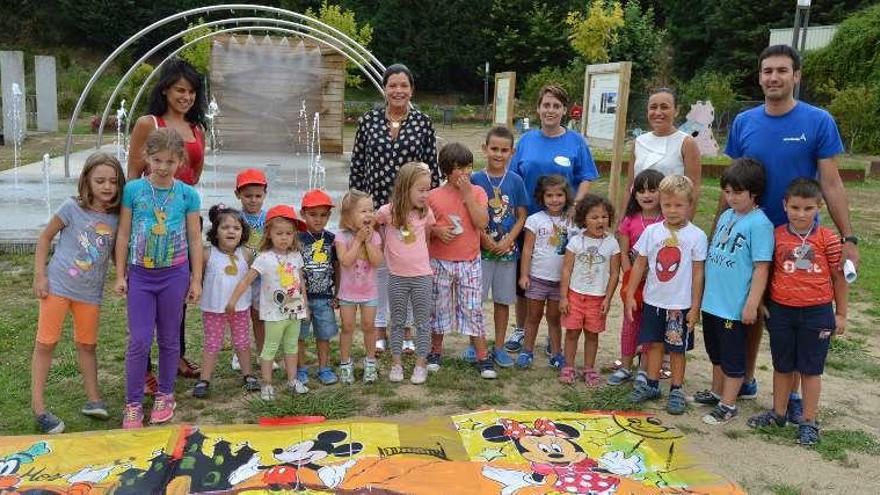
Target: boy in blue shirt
x,y
737,269
508,203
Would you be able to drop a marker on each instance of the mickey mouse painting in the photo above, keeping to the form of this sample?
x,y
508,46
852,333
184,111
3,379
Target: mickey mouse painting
x,y
303,455
555,458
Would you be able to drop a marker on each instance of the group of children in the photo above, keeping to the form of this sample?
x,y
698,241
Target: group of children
x,y
444,251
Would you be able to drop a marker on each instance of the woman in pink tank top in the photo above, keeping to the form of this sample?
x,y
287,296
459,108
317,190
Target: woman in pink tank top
x,y
178,102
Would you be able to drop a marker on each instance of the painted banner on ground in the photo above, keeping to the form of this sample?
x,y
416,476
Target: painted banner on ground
x,y
487,452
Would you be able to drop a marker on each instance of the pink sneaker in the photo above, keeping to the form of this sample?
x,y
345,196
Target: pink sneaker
x,y
163,409
133,416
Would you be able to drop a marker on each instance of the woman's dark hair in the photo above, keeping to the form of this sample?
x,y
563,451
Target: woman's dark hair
x,y
453,156
216,215
745,174
804,187
397,69
555,180
647,180
669,91
587,203
173,71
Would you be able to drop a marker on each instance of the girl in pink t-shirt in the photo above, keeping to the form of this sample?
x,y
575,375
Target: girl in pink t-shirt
x,y
407,221
642,210
359,249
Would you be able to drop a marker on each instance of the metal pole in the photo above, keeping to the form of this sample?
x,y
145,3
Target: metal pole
x,y
486,94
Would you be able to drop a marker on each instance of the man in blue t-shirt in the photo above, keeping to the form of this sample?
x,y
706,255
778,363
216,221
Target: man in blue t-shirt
x,y
792,139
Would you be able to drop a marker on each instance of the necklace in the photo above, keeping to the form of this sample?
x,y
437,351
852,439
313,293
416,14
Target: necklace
x,y
395,123
803,254
736,218
652,220
232,267
496,202
672,241
255,221
591,254
159,227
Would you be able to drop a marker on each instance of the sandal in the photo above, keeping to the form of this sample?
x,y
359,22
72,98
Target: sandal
x,y
567,375
188,369
592,377
200,390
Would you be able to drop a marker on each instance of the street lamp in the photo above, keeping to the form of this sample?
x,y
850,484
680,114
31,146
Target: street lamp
x,y
801,16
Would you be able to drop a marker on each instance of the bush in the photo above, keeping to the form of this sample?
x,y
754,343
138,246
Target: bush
x,y
857,111
570,78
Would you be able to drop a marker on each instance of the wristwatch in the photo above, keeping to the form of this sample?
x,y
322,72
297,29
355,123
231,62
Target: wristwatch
x,y
851,239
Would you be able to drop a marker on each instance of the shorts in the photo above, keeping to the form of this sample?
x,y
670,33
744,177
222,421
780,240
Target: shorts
x,y
372,303
322,317
53,311
668,326
542,290
584,312
456,291
800,337
520,240
499,277
725,342
383,310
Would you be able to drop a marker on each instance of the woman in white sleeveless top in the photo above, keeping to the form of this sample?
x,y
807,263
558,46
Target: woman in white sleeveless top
x,y
665,149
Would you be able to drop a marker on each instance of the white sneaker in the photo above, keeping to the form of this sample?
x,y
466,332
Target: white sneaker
x,y
409,346
297,387
236,366
419,375
267,393
396,373
380,345
275,365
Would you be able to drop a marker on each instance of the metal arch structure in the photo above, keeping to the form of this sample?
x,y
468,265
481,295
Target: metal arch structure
x,y
225,31
348,42
356,58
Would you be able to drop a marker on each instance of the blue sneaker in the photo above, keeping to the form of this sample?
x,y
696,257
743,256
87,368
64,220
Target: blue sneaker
x,y
327,376
795,411
557,361
469,354
302,374
808,433
748,390
524,360
642,392
514,342
502,359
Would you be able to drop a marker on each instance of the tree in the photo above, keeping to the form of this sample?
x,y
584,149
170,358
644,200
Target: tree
x,y
592,36
641,42
199,53
344,20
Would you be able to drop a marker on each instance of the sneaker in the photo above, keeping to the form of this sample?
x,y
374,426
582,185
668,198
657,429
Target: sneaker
x,y
620,376
267,393
487,369
748,390
346,373
592,378
371,371
501,358
163,409
188,369
643,392
433,362
525,359
409,346
720,415
326,376
557,361
548,351
275,366
200,390
567,375
641,377
236,365
95,409
50,424
419,375
707,398
151,385
676,403
302,374
380,345
794,413
396,373
132,416
514,342
766,418
251,384
469,355
808,433
297,387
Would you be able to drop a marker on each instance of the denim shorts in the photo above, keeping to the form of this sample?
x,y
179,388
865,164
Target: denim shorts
x,y
371,303
662,326
800,337
322,317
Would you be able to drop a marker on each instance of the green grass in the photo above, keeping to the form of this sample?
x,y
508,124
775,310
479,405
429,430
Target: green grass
x,y
849,357
783,489
332,403
603,398
835,445
397,406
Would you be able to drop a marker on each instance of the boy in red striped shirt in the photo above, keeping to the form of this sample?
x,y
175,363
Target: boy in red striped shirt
x,y
802,319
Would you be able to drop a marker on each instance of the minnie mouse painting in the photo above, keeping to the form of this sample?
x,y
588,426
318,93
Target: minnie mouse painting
x,y
555,458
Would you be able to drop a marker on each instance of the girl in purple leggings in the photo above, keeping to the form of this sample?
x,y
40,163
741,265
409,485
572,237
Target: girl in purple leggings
x,y
159,240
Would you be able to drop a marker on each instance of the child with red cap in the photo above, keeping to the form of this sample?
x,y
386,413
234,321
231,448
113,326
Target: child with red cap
x,y
321,271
